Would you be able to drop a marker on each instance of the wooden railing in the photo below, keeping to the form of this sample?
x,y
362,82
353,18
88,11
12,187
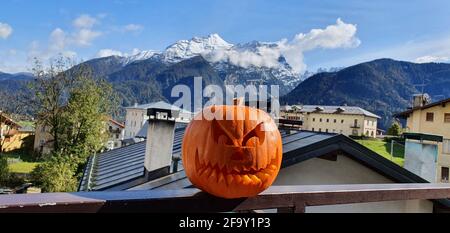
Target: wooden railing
x,y
282,198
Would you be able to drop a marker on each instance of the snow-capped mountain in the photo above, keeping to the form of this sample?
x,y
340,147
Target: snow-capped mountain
x,y
142,55
203,46
236,64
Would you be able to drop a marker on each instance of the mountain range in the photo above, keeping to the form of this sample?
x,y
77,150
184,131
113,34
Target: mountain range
x,y
383,86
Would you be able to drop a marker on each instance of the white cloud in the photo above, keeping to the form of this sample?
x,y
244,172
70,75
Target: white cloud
x,y
57,40
109,52
5,30
84,21
431,58
339,35
133,28
61,42
84,37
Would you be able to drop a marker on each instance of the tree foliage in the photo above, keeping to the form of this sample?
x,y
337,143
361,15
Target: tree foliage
x,y
4,171
395,129
73,106
57,174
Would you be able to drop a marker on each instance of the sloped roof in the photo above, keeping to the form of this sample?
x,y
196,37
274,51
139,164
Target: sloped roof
x,y
8,120
143,131
116,167
406,113
159,105
350,110
123,168
117,123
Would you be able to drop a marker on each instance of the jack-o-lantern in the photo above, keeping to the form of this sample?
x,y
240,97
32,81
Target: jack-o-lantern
x,y
232,158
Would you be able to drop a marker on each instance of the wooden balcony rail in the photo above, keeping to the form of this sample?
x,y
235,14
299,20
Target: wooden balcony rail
x,y
283,198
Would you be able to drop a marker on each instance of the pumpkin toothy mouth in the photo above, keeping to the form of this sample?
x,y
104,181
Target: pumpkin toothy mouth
x,y
237,174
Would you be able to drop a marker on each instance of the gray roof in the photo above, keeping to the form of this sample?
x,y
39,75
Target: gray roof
x,y
351,110
291,142
160,105
117,167
143,131
123,168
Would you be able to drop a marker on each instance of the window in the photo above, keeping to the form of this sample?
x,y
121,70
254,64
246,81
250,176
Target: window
x,y
326,130
342,121
447,117
314,119
446,146
334,120
430,116
312,129
320,119
320,129
444,174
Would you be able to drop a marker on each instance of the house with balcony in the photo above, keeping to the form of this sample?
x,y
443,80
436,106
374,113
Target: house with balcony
x,y
116,131
431,118
346,120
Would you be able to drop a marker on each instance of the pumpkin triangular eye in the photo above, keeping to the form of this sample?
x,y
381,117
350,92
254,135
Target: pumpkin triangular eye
x,y
257,132
219,135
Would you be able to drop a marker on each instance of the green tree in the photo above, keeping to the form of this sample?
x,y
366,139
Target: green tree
x,y
57,174
74,105
4,171
83,129
395,129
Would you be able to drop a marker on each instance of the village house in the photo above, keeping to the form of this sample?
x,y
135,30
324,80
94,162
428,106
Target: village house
x,y
136,116
116,134
346,120
430,122
309,158
12,134
43,139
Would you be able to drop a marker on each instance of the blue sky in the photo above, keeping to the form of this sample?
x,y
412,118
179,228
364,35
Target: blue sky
x,y
407,30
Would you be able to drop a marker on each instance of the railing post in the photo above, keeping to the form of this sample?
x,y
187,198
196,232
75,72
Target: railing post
x,y
300,206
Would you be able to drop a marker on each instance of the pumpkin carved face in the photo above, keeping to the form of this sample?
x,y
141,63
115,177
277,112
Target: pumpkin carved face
x,y
232,158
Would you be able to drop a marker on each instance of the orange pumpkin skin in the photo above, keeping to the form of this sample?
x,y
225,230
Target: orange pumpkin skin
x,y
232,158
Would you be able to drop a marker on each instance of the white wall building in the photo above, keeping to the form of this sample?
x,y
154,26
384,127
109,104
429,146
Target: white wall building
x,y
136,116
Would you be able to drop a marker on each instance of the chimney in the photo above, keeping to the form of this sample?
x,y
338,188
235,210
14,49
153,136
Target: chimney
x,y
420,100
158,150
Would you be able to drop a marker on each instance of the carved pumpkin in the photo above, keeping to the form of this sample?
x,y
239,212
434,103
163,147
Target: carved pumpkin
x,y
232,158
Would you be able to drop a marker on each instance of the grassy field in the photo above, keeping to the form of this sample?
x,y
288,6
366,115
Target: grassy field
x,y
384,148
22,167
20,162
